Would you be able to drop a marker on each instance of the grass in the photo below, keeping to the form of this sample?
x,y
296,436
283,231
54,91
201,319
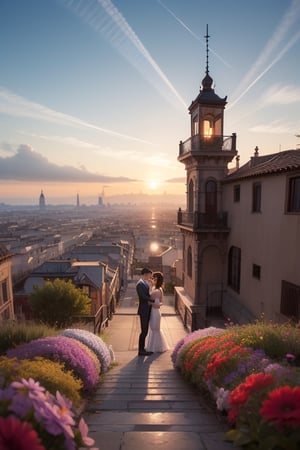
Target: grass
x,y
13,334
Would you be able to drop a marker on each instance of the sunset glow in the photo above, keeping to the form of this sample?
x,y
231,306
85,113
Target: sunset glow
x,y
104,101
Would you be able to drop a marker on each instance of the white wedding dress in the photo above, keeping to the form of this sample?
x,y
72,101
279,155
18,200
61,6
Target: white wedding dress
x,y
156,340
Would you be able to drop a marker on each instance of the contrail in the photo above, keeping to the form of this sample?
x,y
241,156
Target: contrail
x,y
15,105
191,32
278,57
279,34
117,30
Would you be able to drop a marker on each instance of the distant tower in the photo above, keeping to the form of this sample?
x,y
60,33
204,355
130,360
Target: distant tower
x,y
77,201
42,201
101,198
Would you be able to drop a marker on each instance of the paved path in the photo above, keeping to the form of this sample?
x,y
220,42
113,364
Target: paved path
x,y
143,402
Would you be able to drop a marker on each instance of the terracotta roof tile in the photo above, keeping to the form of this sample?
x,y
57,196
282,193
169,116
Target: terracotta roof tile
x,y
285,161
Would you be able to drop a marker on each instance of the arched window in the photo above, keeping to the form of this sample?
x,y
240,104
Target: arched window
x,y
195,125
211,197
191,196
189,262
234,268
207,128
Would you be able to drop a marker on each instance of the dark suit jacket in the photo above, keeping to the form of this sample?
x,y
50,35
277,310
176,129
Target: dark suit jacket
x,y
142,290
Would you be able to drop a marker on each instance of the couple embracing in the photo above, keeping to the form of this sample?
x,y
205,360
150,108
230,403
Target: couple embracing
x,y
150,301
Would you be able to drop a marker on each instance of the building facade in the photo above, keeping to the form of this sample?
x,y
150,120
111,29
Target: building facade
x,y
263,259
6,294
240,230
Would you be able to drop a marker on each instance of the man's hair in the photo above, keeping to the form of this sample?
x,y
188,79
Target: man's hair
x,y
145,270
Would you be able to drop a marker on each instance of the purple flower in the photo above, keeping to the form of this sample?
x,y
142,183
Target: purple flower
x,y
29,386
62,349
290,358
231,376
50,418
93,342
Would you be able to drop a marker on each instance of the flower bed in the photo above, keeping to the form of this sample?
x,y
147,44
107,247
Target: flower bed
x,y
32,417
253,378
94,342
62,349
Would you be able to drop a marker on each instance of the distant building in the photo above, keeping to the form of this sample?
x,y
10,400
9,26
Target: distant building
x,y
42,201
94,278
77,201
240,229
6,294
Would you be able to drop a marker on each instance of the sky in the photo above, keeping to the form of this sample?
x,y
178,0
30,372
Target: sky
x,y
94,94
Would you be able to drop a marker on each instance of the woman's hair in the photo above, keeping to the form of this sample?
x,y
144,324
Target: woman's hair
x,y
159,279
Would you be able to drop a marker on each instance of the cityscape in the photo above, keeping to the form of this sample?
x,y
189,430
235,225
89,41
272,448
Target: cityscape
x,y
149,227
226,240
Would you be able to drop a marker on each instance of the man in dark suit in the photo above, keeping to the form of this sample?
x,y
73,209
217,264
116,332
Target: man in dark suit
x,y
144,309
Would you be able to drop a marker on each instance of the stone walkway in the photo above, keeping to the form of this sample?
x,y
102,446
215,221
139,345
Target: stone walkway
x,y
143,402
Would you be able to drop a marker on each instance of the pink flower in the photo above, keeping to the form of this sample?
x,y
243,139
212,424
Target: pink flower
x,y
29,386
83,428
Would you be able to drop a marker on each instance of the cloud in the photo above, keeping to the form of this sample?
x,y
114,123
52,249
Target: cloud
x,y
14,105
191,32
281,95
6,147
28,165
271,54
67,140
119,33
153,159
176,180
276,127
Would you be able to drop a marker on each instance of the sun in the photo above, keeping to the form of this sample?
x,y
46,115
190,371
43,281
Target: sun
x,y
153,185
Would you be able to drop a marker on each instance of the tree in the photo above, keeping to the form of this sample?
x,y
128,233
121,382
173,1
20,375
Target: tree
x,y
57,301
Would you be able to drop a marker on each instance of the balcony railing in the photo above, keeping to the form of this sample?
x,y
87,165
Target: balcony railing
x,y
198,221
200,144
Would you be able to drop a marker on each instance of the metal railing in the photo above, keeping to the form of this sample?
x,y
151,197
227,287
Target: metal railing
x,y
197,220
200,144
96,322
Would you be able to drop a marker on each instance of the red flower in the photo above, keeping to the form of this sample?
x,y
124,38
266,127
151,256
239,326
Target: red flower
x,y
239,395
282,407
258,381
253,386
216,361
253,383
15,434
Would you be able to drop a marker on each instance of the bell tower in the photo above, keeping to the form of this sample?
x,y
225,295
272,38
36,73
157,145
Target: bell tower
x,y
205,155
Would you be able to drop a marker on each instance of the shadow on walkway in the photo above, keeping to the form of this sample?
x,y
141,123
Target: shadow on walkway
x,y
143,402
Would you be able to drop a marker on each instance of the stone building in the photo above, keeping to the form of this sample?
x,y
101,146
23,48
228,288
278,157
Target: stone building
x,y
6,294
240,230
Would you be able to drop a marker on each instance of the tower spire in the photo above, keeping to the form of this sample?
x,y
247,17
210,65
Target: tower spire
x,y
207,49
207,81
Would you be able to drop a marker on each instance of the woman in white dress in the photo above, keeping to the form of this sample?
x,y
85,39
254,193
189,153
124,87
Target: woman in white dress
x,y
156,340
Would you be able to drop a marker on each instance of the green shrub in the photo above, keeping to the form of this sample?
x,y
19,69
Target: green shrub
x,y
57,301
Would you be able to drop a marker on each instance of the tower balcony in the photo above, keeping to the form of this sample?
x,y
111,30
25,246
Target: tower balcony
x,y
196,221
201,144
